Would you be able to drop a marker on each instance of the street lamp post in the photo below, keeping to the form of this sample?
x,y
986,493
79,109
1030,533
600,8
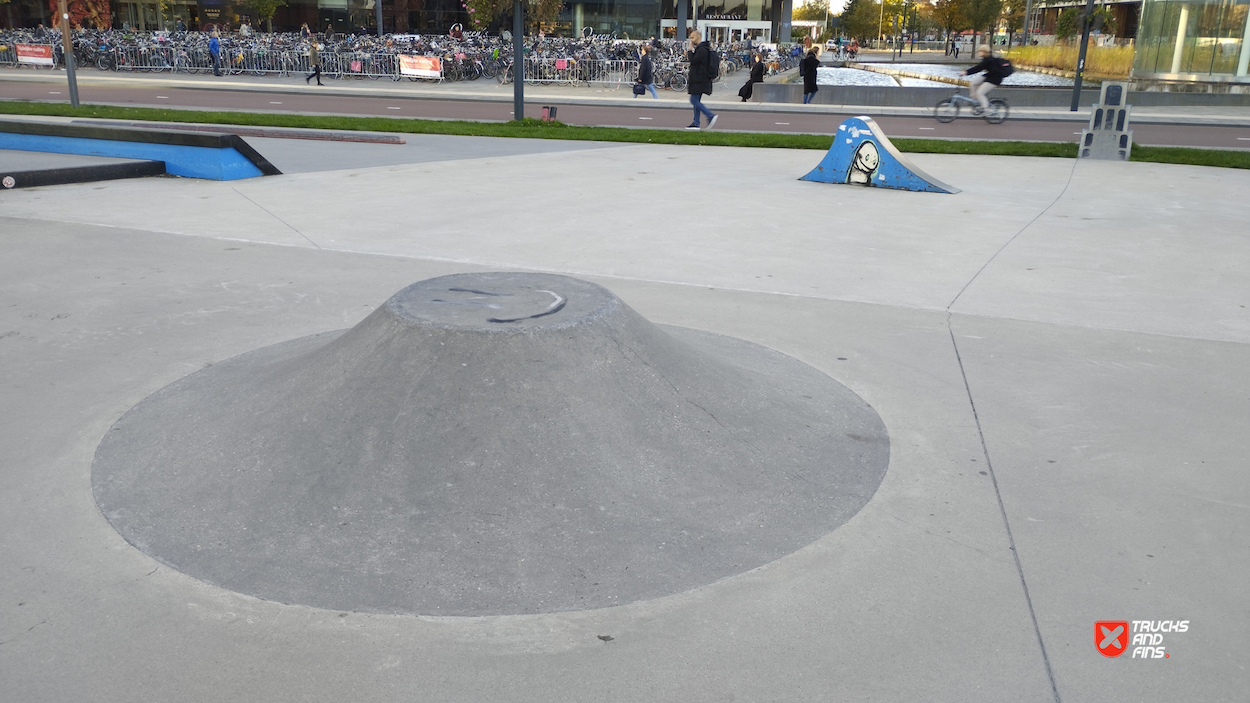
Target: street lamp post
x,y
1086,21
518,60
67,46
1028,15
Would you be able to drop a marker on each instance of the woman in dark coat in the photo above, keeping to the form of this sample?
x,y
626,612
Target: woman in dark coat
x,y
807,69
646,71
757,76
700,83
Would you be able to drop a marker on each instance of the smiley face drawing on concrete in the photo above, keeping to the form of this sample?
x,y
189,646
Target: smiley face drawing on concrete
x,y
866,160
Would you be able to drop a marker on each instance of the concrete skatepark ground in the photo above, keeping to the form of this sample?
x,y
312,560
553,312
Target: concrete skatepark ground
x,y
1059,354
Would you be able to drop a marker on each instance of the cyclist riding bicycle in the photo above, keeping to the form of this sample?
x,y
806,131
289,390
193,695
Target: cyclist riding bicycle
x,y
984,77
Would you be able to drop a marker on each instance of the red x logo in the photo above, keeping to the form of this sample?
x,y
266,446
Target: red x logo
x,y
1111,637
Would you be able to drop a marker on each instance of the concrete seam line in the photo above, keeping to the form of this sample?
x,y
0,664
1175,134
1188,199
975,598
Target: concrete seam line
x,y
279,219
1013,237
985,452
1002,509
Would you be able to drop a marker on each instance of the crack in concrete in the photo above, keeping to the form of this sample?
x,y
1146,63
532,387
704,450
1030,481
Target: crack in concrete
x,y
279,219
76,604
985,452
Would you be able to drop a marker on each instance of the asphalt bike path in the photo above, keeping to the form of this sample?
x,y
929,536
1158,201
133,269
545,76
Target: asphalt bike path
x,y
603,107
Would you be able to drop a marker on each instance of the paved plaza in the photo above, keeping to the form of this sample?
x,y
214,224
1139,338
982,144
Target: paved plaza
x,y
1060,355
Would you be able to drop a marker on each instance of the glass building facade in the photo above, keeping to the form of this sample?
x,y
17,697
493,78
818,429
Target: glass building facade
x,y
1194,41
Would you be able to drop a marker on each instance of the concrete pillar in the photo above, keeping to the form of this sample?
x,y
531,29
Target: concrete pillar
x,y
1243,61
579,19
1180,39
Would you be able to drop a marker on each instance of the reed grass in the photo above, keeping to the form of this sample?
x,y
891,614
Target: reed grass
x,y
1100,61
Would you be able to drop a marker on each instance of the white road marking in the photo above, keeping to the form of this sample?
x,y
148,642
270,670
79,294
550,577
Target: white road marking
x,y
162,97
271,102
54,92
1243,139
646,118
930,128
785,123
393,108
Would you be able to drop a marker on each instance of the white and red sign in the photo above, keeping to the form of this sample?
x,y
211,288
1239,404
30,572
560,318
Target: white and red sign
x,y
420,66
34,53
1112,637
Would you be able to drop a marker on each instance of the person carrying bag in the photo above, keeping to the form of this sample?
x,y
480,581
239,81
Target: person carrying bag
x,y
701,77
646,74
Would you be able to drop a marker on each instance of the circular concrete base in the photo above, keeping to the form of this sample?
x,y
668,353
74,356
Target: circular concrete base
x,y
489,444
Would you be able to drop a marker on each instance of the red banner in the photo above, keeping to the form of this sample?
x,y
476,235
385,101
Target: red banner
x,y
420,66
34,53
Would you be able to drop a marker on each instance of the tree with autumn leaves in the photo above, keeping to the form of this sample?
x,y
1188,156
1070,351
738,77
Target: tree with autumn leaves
x,y
482,13
92,14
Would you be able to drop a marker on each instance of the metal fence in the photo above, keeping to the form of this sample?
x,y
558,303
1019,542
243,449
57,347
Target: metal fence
x,y
580,71
8,54
353,64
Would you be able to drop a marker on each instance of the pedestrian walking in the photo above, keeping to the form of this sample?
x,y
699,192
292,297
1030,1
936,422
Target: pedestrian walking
x,y
808,69
700,81
214,48
314,62
304,32
646,72
757,76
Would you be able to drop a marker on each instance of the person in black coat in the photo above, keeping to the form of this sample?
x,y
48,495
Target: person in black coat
x,y
807,69
700,82
985,76
757,76
646,72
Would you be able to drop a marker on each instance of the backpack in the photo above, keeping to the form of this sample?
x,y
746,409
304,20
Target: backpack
x,y
1005,68
713,64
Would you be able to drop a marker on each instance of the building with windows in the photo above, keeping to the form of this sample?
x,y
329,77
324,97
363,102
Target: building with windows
x,y
1194,41
1125,13
720,20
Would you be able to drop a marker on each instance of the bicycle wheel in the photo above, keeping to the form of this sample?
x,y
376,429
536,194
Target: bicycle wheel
x,y
678,82
946,111
998,111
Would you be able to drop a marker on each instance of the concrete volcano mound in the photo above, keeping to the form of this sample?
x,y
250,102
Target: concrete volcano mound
x,y
487,444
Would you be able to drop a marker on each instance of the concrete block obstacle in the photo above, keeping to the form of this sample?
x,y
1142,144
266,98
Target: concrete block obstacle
x,y
1108,136
220,157
487,444
62,175
861,154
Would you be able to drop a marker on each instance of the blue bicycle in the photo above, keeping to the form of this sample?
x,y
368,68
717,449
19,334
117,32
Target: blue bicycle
x,y
947,110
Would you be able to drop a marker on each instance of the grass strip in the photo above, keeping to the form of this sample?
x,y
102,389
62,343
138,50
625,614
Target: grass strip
x,y
1193,157
530,128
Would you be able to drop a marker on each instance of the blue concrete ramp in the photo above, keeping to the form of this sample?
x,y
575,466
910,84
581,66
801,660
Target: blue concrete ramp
x,y
861,154
219,157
